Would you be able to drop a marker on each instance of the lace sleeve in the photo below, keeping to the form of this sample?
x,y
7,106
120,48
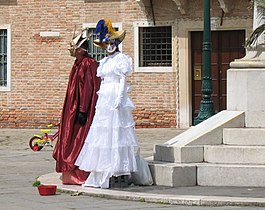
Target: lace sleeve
x,y
123,65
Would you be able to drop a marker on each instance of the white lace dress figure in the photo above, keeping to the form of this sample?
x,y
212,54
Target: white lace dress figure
x,y
110,144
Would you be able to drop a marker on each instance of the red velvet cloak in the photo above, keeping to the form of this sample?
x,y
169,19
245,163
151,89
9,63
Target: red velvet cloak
x,y
80,96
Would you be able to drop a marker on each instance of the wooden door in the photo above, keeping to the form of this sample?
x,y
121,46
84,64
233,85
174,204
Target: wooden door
x,y
226,47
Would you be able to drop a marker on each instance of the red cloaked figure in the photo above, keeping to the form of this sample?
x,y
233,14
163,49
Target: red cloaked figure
x,y
77,114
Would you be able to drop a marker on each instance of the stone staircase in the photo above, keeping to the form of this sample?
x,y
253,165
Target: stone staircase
x,y
228,149
239,161
218,152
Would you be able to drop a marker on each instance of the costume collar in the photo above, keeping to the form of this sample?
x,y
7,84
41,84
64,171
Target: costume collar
x,y
78,61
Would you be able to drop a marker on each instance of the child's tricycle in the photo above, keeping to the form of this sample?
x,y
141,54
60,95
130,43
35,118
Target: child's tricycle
x,y
37,142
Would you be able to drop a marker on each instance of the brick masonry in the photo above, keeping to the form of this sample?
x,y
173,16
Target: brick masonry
x,y
40,66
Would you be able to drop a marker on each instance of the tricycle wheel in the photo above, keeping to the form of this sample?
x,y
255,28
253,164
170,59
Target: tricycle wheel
x,y
34,144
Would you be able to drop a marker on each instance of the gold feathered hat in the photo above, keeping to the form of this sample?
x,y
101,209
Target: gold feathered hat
x,y
107,33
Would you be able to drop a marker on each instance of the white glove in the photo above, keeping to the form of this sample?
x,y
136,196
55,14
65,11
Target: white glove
x,y
121,92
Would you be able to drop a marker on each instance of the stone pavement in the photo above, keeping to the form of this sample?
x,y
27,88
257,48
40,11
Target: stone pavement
x,y
20,167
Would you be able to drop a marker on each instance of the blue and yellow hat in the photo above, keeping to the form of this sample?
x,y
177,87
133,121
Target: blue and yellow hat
x,y
107,34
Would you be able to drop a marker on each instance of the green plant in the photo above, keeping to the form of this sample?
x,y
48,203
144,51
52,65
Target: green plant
x,y
253,39
36,183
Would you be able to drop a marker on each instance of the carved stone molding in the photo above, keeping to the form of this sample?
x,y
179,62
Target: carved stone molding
x,y
224,5
143,4
181,4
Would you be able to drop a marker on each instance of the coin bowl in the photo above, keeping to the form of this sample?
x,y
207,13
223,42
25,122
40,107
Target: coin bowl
x,y
47,189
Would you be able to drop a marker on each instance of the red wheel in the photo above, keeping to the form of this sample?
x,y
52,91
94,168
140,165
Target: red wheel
x,y
34,144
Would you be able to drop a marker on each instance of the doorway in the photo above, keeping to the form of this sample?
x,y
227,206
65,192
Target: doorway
x,y
226,47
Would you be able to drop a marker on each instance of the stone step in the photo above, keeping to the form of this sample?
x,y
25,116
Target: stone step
x,y
234,154
173,174
208,132
187,154
244,136
207,174
231,175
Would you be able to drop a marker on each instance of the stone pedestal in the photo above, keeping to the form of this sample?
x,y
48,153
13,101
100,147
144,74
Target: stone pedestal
x,y
246,87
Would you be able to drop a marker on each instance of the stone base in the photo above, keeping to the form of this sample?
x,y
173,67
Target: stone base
x,y
246,87
173,174
231,175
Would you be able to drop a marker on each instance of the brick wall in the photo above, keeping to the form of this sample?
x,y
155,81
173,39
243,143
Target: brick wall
x,y
40,66
154,95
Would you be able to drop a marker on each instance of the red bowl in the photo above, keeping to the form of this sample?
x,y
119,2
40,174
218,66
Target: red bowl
x,y
47,189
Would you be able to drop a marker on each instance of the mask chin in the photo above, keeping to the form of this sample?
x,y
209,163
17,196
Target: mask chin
x,y
111,48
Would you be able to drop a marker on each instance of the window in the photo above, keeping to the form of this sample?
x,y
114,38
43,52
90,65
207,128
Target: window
x,y
4,58
155,47
93,51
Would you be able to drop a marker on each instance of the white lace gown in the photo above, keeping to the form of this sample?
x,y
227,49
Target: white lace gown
x,y
109,148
